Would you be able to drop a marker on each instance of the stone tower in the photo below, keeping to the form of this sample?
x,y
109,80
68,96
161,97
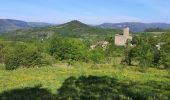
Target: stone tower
x,y
126,31
120,40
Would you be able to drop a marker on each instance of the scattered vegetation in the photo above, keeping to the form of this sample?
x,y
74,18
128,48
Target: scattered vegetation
x,y
49,56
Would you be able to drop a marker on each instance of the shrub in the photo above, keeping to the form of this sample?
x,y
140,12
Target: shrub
x,y
68,49
12,63
31,56
97,55
28,56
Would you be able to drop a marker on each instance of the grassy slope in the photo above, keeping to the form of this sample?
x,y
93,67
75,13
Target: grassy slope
x,y
52,77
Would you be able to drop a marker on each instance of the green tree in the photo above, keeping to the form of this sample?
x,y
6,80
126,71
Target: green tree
x,y
128,53
165,47
144,51
68,49
145,54
165,55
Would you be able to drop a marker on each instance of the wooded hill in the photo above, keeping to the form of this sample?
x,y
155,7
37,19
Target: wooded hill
x,y
73,29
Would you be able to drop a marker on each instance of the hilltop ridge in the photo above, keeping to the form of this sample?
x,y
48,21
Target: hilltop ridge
x,y
7,25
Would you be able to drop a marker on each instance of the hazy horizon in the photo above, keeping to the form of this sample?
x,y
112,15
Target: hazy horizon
x,y
89,11
86,23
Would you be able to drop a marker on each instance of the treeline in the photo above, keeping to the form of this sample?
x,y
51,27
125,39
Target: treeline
x,y
155,30
15,54
144,50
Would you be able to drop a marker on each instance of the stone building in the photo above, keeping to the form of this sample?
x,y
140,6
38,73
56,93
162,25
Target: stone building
x,y
120,40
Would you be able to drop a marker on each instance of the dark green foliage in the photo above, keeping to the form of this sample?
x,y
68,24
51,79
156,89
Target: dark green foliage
x,y
12,62
148,54
165,47
128,53
165,38
165,55
97,55
144,51
112,50
90,88
2,45
154,30
145,54
24,56
31,57
7,49
70,90
34,93
106,88
157,57
68,49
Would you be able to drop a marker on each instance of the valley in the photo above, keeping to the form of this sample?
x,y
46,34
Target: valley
x,y
50,62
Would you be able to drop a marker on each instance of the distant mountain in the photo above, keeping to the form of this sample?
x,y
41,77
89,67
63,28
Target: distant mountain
x,y
10,25
7,25
135,26
74,29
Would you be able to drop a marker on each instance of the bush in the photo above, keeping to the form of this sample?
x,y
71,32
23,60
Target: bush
x,y
97,55
28,56
68,49
12,63
31,56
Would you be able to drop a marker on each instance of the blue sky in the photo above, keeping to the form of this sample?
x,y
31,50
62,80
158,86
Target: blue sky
x,y
87,11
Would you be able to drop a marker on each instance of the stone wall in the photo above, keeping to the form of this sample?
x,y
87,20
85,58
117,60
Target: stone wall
x,y
120,40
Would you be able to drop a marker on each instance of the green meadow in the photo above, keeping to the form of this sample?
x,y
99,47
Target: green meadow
x,y
52,77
